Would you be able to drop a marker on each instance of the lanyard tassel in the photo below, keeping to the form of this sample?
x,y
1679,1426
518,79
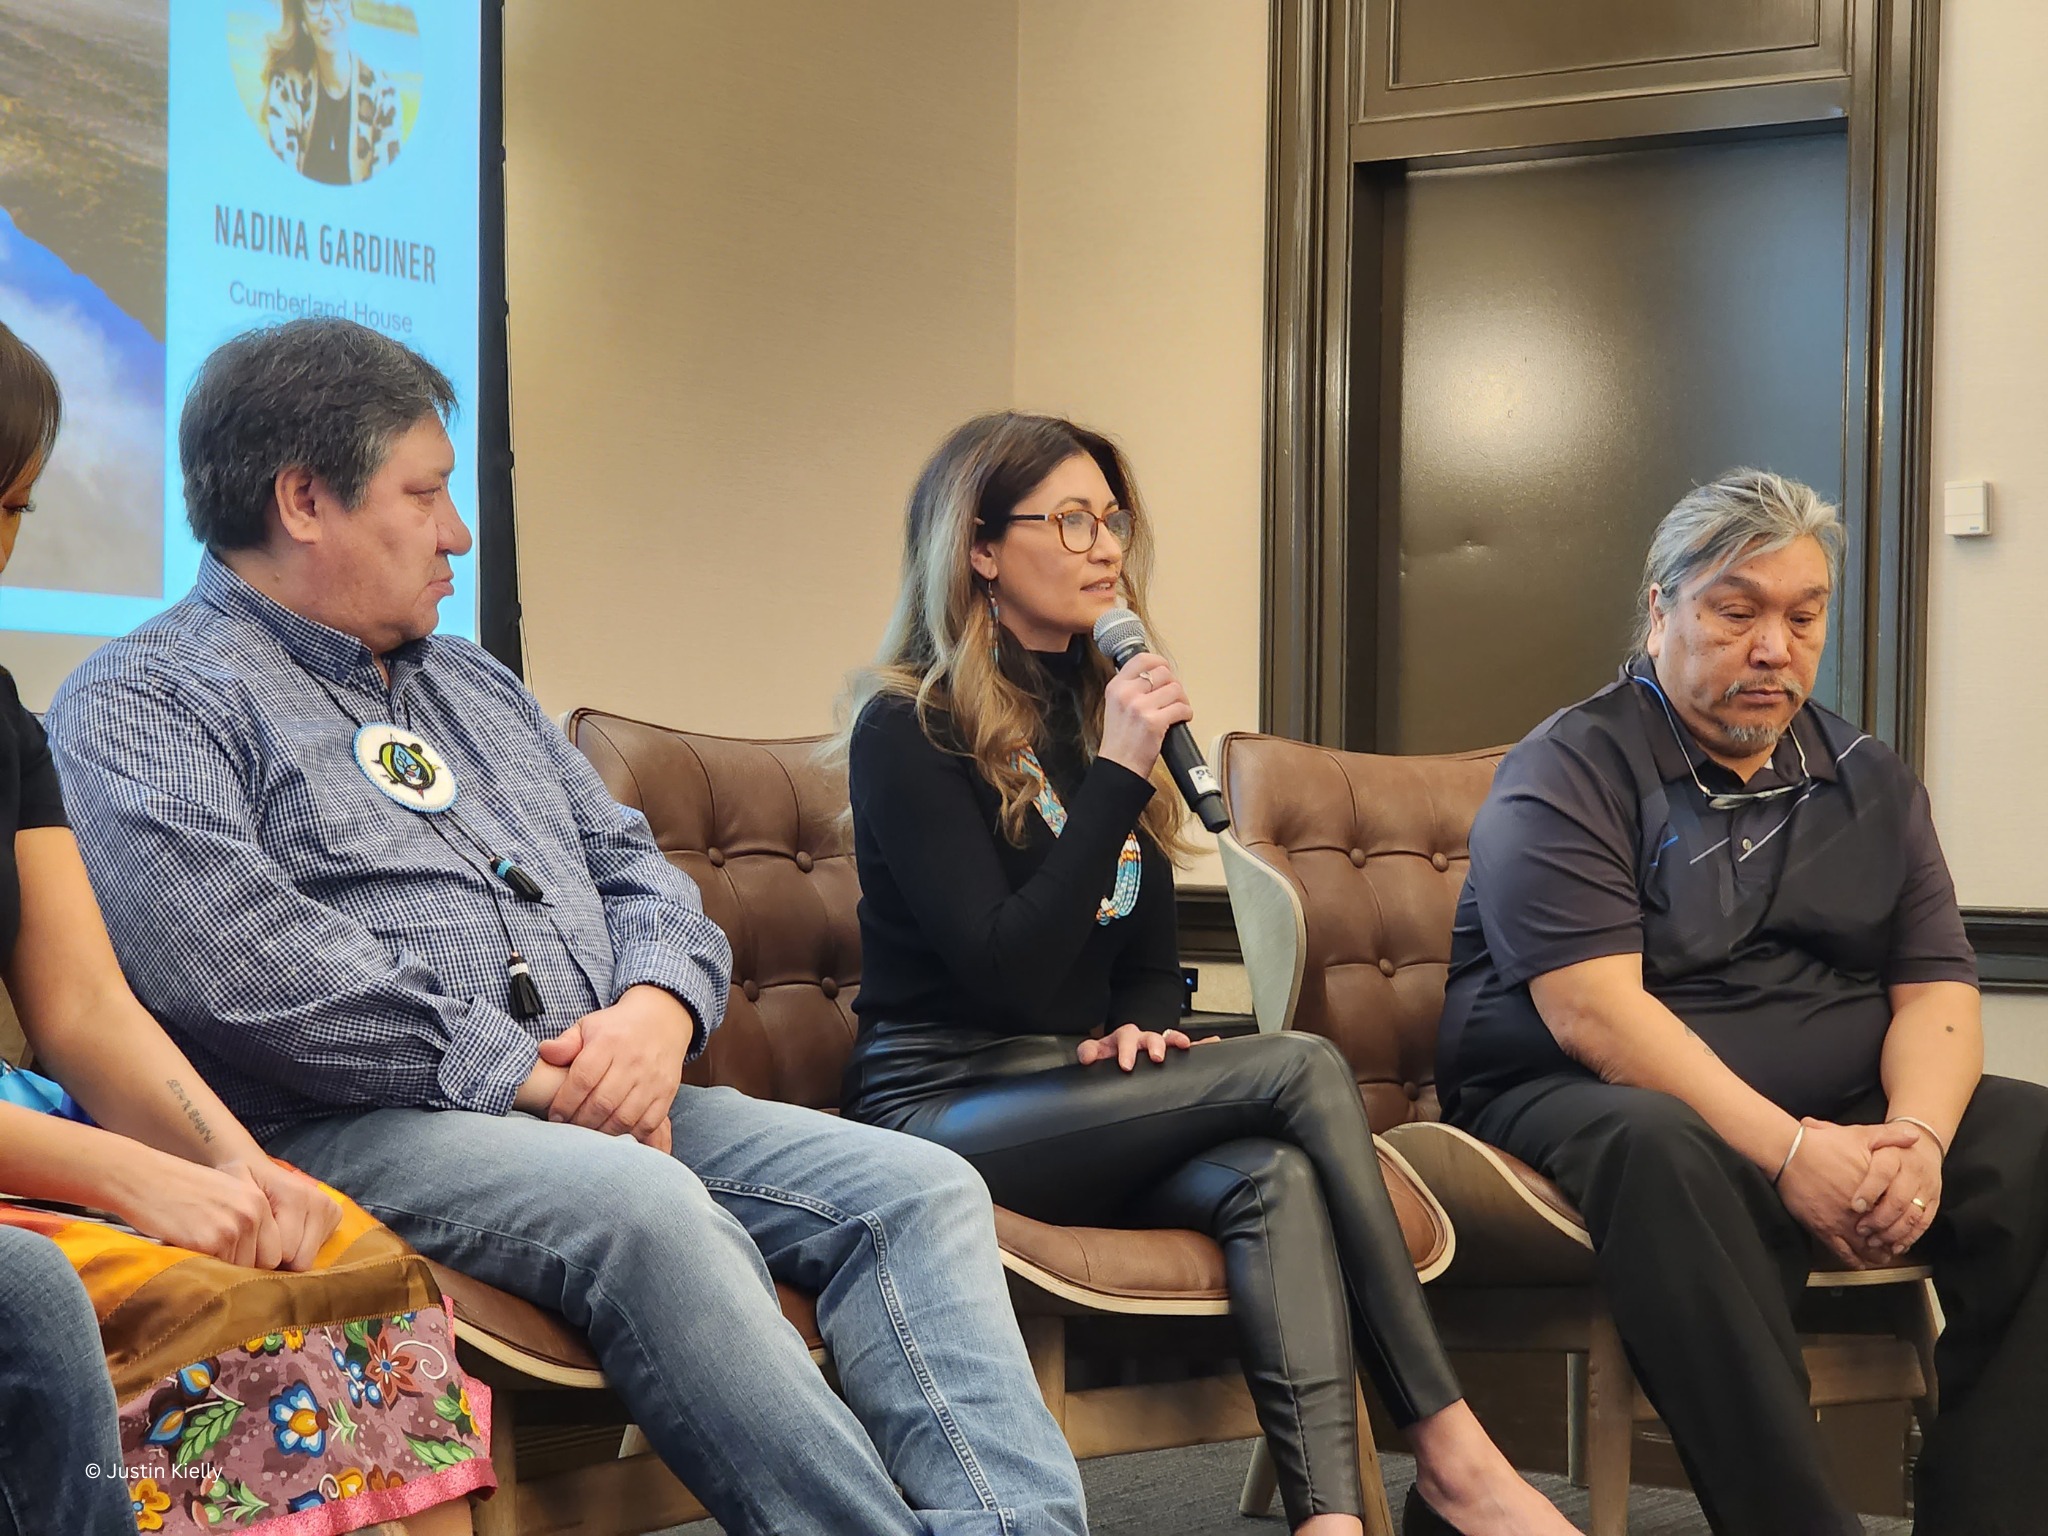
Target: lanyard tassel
x,y
526,1002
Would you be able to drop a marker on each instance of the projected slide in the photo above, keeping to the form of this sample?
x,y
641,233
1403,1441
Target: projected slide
x,y
175,171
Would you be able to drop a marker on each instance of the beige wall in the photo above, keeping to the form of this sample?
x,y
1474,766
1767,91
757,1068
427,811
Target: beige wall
x,y
1141,184
760,257
739,324
1987,701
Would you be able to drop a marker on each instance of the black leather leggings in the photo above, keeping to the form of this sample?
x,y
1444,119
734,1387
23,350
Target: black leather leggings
x,y
1263,1144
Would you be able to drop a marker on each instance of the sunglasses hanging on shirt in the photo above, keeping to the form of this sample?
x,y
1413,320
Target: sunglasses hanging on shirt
x,y
408,772
1729,800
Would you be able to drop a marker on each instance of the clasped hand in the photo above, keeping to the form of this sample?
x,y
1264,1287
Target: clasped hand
x,y
617,1069
1854,1187
250,1212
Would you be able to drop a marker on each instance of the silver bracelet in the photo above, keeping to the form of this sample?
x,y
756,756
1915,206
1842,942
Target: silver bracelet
x,y
1797,1137
1930,1130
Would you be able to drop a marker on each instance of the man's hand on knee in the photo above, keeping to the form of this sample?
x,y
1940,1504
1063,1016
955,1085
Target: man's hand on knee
x,y
627,1065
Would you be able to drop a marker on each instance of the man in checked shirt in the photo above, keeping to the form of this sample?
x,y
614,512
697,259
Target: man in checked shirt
x,y
472,1014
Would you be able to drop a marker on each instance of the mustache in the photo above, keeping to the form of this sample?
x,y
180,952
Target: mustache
x,y
1789,686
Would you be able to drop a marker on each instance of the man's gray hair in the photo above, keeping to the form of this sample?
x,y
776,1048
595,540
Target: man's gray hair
x,y
1745,512
328,396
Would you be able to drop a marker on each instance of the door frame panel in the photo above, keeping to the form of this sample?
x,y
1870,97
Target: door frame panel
x,y
1330,178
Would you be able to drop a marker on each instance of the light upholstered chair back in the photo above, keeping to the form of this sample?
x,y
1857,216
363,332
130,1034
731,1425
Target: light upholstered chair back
x,y
1344,871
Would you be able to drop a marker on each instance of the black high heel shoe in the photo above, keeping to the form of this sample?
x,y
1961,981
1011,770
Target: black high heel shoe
x,y
1419,1519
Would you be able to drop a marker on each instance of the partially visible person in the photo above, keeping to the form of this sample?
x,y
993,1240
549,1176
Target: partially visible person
x,y
55,1398
166,1157
1021,981
407,932
1709,975
331,115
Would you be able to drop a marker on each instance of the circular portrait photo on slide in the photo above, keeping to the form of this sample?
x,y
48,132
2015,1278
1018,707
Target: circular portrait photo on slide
x,y
333,84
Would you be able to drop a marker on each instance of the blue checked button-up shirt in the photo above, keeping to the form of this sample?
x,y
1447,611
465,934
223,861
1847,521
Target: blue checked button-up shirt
x,y
314,947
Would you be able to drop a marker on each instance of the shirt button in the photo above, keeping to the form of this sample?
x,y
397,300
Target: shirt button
x,y
1413,1090
1440,861
828,986
1746,845
716,856
1386,966
751,990
803,862
1358,858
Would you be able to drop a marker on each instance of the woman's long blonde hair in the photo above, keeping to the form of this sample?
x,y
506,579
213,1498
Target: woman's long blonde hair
x,y
942,643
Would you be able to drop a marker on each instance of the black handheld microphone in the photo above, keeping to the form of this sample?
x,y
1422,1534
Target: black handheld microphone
x,y
1120,635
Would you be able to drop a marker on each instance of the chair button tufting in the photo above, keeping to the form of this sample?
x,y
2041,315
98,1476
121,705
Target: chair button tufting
x,y
716,856
1413,1090
1386,966
1358,858
828,986
751,991
1440,861
803,862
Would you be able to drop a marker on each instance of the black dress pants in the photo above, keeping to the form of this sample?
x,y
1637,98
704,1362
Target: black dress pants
x,y
1263,1144
1702,1266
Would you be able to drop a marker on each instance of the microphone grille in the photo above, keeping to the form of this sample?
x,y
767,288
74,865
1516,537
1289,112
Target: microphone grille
x,y
1120,635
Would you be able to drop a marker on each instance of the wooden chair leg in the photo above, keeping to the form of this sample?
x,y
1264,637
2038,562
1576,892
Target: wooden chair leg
x,y
499,1514
1260,1483
1379,1518
1925,1329
1045,1341
1610,1421
1575,1419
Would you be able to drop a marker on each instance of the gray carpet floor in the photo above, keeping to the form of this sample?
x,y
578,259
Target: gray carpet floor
x,y
1194,1493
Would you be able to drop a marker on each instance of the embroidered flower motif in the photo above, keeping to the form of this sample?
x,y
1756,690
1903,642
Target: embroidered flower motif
x,y
349,1482
149,1503
381,1480
276,1343
387,1372
361,1388
295,1421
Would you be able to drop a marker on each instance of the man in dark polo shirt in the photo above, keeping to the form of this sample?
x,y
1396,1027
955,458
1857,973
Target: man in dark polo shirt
x,y
1709,976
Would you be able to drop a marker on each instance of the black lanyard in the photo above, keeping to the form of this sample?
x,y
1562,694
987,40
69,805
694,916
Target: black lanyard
x,y
526,998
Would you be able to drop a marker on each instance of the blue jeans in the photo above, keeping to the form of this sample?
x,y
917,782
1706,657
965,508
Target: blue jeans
x,y
665,1264
55,1400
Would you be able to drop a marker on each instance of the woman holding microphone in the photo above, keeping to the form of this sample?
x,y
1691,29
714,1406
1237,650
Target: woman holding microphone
x,y
1021,978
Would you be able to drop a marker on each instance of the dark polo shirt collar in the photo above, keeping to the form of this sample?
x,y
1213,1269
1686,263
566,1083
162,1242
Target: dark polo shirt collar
x,y
1678,756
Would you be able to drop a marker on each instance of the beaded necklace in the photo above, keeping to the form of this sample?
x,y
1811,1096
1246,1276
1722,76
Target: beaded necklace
x,y
1130,867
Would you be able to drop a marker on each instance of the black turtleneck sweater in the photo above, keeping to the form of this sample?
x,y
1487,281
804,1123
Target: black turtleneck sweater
x,y
960,927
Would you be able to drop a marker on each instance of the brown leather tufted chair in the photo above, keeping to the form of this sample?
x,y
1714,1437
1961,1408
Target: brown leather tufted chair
x,y
1344,871
758,826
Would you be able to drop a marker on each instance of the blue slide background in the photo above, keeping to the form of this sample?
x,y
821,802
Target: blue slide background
x,y
219,160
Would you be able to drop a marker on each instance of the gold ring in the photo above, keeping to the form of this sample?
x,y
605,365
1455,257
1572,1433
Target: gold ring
x,y
1919,1204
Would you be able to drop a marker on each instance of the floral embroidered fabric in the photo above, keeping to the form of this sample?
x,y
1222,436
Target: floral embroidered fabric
x,y
330,1423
